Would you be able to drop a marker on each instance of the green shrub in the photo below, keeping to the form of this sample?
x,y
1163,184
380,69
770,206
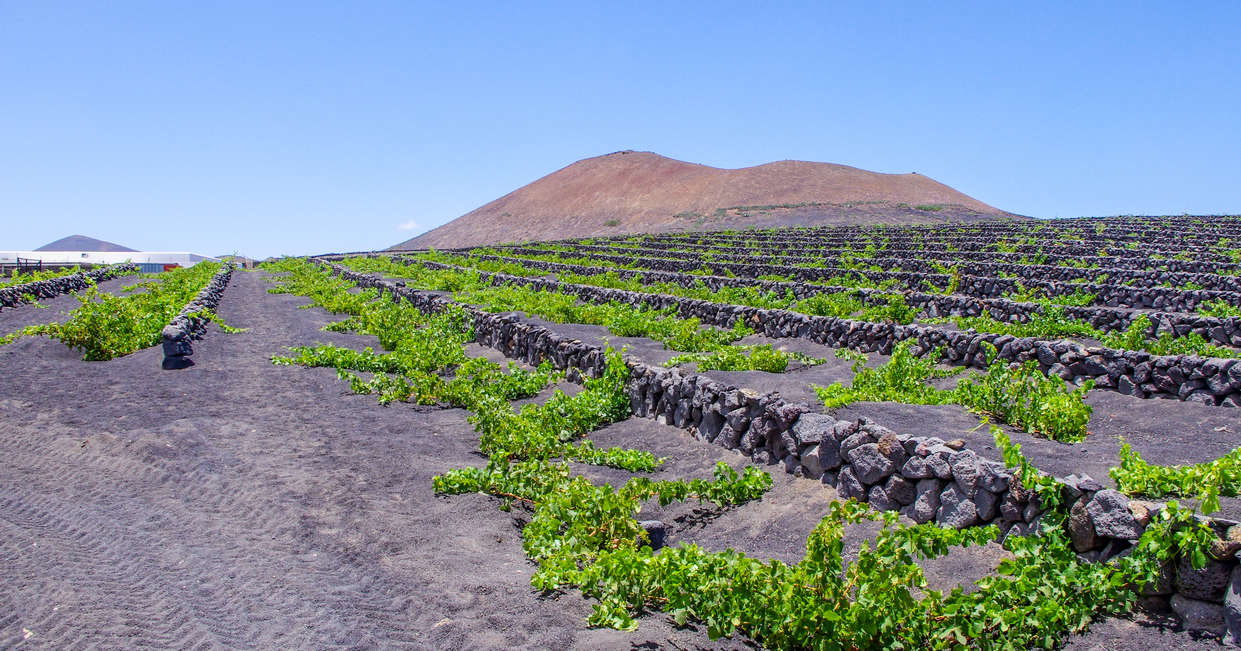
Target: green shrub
x,y
1219,308
1135,338
1021,395
1024,396
1205,481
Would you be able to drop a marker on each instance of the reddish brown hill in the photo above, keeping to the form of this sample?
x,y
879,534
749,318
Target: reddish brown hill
x,y
643,192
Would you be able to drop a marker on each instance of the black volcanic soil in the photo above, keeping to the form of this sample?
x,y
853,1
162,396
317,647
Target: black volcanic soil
x,y
241,504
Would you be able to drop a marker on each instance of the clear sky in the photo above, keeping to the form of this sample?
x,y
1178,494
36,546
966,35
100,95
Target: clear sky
x,y
302,127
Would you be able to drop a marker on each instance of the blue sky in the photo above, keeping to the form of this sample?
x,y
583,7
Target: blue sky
x,y
303,127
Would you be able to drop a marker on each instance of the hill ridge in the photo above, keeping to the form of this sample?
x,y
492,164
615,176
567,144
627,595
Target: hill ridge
x,y
83,243
633,191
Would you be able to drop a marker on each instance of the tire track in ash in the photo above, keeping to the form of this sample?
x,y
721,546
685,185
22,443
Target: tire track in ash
x,y
150,510
87,552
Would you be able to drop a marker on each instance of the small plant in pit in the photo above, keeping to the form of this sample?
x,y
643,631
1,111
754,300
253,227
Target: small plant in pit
x,y
1004,246
1219,308
850,354
744,358
33,301
1021,395
1135,337
1205,481
954,279
1049,322
847,305
211,316
839,304
902,379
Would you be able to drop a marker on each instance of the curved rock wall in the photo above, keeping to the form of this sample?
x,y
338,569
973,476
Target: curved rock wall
x,y
1225,331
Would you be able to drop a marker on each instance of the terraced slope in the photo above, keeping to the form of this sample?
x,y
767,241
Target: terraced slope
x,y
643,192
1077,323
244,503
1169,433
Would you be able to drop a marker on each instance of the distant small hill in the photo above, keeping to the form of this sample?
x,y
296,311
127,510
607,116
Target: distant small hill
x,y
82,243
239,260
643,192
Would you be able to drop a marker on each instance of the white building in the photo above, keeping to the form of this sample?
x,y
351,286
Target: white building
x,y
147,261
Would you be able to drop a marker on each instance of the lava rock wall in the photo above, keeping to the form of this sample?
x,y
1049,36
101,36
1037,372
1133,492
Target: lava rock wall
x,y
188,325
1224,331
15,295
1211,381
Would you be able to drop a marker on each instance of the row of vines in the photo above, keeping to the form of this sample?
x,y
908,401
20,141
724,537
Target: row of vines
x,y
841,300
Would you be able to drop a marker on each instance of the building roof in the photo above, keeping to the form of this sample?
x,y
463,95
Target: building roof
x,y
183,258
